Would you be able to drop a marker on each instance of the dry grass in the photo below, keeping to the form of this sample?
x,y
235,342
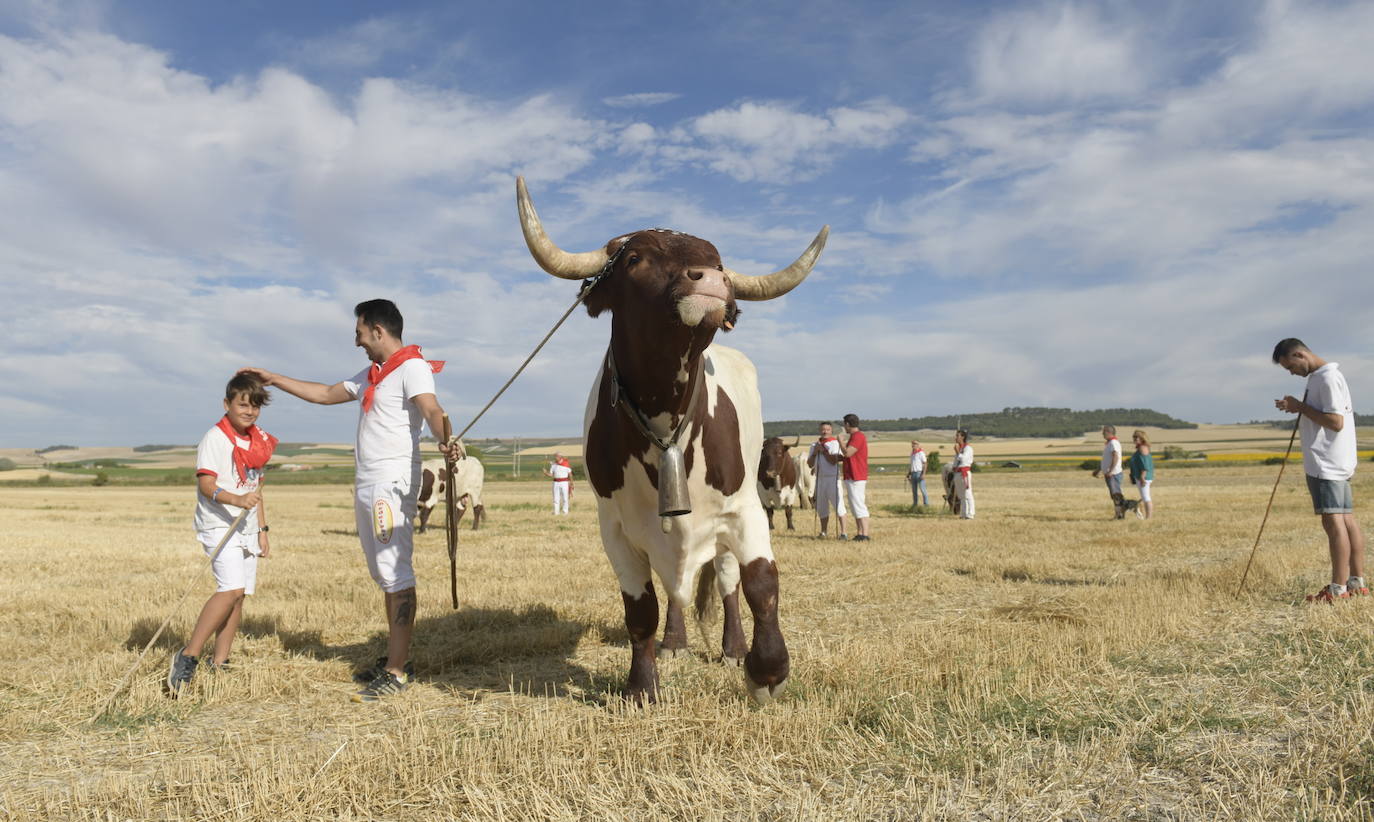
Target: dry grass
x,y
1041,662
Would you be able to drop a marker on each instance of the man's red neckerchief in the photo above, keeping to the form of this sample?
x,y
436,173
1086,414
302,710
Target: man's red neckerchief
x,y
377,373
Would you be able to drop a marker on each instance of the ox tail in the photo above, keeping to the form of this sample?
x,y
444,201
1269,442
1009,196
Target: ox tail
x,y
707,605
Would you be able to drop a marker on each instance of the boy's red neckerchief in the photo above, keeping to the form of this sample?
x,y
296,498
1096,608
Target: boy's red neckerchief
x,y
376,373
260,447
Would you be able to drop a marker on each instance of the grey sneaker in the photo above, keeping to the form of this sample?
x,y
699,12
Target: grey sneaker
x,y
227,666
180,672
386,684
376,669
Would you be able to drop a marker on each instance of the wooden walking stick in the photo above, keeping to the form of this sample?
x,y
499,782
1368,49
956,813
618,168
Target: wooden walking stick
x,y
105,706
451,518
1282,465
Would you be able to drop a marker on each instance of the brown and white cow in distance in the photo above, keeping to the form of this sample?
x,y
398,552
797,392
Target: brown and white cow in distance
x,y
778,479
668,294
470,475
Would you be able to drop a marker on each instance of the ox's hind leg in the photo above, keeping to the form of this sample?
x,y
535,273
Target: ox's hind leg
x,y
770,518
788,509
479,513
733,646
674,631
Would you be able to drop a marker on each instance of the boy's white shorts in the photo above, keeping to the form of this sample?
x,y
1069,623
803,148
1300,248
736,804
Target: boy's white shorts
x,y
237,565
855,490
385,514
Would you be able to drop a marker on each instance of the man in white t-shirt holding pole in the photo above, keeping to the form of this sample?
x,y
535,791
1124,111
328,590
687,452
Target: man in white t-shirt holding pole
x,y
1110,469
826,457
1329,457
395,394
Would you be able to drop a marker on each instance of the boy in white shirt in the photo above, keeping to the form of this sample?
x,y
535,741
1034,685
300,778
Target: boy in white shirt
x,y
229,465
1329,457
963,467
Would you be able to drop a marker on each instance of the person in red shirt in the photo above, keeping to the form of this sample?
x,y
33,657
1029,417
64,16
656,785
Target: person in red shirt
x,y
856,474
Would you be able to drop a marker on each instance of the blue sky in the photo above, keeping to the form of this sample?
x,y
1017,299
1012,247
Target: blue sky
x,y
1068,204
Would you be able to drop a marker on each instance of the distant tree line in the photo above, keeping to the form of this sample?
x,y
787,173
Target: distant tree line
x,y
1009,422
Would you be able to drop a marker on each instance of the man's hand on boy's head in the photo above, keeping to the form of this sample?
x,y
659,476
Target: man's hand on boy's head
x,y
267,377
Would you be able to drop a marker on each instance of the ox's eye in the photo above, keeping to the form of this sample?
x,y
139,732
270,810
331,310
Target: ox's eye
x,y
631,260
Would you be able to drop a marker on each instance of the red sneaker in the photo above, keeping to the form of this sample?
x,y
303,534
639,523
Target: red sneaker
x,y
1325,595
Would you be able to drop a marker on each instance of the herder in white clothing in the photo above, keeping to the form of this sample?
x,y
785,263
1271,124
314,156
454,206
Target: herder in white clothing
x,y
826,457
561,473
1110,469
395,393
963,467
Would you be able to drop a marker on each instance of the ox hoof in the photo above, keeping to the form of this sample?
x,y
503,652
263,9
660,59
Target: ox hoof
x,y
764,694
732,660
671,653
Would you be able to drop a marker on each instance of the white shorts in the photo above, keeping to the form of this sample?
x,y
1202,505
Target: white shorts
x,y
828,496
854,490
385,514
1145,490
237,564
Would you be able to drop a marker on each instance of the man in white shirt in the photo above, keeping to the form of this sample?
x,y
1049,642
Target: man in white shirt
x,y
1329,457
916,474
826,457
1110,469
561,473
396,393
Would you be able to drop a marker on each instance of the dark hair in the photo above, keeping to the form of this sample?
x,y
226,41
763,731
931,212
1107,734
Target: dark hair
x,y
246,383
851,419
383,313
1288,346
961,433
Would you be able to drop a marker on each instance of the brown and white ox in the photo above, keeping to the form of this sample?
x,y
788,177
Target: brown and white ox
x,y
778,478
467,490
668,295
806,482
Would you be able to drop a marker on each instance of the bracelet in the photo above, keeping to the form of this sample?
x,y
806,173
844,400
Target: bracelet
x,y
215,496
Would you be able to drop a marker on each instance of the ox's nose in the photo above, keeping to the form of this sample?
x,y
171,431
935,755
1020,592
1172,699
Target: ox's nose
x,y
708,281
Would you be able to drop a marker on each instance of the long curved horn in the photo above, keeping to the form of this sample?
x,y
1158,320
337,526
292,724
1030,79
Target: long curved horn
x,y
550,257
768,286
797,442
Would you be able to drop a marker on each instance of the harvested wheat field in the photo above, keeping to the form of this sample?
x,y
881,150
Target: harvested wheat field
x,y
1041,662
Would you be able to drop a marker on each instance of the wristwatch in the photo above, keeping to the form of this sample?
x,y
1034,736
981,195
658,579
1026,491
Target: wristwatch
x,y
264,529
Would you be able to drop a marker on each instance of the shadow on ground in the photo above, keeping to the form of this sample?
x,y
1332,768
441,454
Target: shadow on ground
x,y
470,650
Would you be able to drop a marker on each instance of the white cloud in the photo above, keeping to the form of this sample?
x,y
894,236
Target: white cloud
x,y
360,45
776,143
1054,54
654,98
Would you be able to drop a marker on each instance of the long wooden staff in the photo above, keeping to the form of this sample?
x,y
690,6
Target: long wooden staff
x,y
105,706
451,518
1282,465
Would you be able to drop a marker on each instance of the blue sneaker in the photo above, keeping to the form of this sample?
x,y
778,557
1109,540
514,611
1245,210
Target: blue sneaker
x,y
386,684
180,672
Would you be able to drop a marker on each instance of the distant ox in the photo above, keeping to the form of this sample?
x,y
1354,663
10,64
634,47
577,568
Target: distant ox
x,y
467,490
668,294
778,479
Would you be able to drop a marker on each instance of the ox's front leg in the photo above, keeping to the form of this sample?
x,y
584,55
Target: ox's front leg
x,y
425,511
788,509
767,665
770,518
641,620
631,567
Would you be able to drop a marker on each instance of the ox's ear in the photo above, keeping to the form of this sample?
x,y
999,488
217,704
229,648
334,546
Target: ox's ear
x,y
599,299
